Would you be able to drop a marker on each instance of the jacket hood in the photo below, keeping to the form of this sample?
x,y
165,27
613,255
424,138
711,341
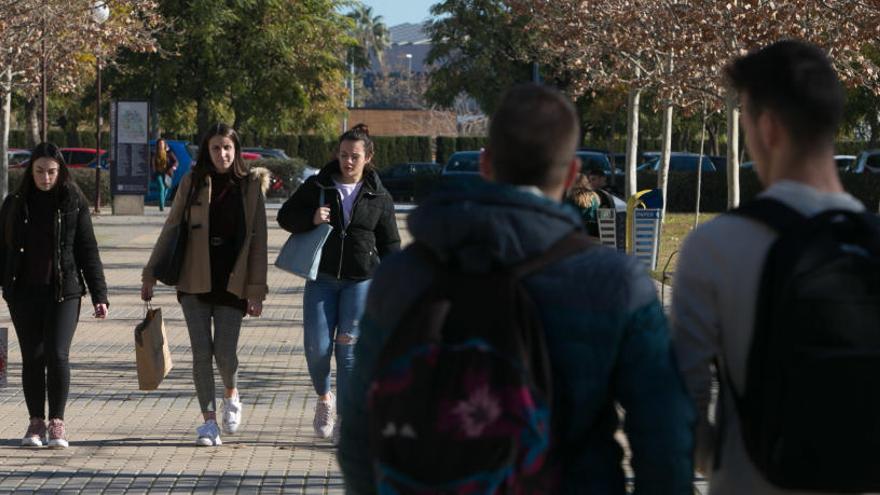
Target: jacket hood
x,y
486,225
264,176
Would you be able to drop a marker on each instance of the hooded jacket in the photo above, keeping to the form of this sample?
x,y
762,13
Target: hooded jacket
x,y
351,252
248,277
605,331
76,263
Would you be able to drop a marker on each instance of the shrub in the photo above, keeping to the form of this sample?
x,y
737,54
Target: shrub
x,y
681,197
447,145
288,172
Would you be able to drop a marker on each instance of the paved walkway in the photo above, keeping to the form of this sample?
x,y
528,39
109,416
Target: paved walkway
x,y
127,441
124,440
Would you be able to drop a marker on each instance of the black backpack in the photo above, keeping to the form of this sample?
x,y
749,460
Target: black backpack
x,y
810,411
460,402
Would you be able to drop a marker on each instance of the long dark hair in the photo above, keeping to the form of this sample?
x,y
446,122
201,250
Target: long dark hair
x,y
361,132
204,164
44,150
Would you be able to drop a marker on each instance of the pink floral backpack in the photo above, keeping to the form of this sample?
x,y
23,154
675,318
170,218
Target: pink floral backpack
x,y
461,399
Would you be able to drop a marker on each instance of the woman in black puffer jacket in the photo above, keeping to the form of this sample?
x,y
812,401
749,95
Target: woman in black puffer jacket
x,y
361,212
48,256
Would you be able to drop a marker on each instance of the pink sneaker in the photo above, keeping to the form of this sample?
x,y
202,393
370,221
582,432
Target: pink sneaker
x,y
36,434
57,434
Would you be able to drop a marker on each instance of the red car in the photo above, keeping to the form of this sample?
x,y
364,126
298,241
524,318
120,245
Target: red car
x,y
80,157
250,156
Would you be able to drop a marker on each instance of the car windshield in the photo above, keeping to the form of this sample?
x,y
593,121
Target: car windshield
x,y
689,164
464,162
844,162
873,161
593,159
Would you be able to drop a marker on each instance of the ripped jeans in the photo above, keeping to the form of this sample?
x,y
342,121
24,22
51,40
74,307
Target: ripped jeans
x,y
332,311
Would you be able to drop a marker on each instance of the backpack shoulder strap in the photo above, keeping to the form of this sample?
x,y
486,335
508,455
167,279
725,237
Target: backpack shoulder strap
x,y
773,213
569,245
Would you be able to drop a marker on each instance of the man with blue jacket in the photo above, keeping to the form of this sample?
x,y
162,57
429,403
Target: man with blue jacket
x,y
605,331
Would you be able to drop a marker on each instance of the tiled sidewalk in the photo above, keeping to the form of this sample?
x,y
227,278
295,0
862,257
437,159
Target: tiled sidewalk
x,y
127,441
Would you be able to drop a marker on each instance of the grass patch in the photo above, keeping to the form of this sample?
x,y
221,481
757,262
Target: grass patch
x,y
673,233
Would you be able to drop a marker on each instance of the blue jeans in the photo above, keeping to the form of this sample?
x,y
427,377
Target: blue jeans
x,y
160,182
332,311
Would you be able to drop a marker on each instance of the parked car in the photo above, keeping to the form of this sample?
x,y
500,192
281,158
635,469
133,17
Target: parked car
x,y
845,163
868,161
250,156
619,160
591,159
680,162
18,157
276,153
720,162
82,157
400,179
462,163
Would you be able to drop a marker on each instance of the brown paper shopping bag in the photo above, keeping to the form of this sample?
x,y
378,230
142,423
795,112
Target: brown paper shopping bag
x,y
151,350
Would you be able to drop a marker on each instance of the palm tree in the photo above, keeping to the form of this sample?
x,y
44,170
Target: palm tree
x,y
371,34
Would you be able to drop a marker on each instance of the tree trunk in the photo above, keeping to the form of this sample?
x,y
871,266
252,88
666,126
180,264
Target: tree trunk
x,y
32,127
154,113
732,151
203,117
632,142
875,127
700,168
665,153
71,130
5,115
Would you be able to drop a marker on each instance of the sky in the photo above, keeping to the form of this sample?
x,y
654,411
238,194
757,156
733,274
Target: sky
x,y
397,12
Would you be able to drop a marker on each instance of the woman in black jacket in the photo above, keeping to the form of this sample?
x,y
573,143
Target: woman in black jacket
x,y
364,230
48,255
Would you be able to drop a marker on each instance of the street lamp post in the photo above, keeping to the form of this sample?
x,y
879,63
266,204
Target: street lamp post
x,y
100,14
44,86
409,64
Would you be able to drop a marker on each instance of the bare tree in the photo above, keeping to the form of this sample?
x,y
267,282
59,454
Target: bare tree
x,y
55,42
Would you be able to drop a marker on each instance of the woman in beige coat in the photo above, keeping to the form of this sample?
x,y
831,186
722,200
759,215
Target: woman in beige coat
x,y
223,276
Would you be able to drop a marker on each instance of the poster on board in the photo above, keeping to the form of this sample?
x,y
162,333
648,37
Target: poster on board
x,y
130,170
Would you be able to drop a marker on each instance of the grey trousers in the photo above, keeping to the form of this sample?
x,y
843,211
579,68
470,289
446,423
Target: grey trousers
x,y
222,347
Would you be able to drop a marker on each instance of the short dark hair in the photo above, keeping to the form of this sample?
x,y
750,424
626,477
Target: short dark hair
x,y
797,82
533,136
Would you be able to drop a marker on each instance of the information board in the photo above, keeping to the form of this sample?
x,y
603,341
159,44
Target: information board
x,y
130,168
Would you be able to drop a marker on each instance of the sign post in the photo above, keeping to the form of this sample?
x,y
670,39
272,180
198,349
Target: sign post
x,y
130,170
644,214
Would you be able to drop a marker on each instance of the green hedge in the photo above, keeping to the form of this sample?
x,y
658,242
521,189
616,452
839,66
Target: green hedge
x,y
288,171
84,177
317,151
681,197
82,139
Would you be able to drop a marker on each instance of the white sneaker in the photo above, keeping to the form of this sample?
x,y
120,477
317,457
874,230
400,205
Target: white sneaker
x,y
36,434
208,434
325,417
57,434
231,414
